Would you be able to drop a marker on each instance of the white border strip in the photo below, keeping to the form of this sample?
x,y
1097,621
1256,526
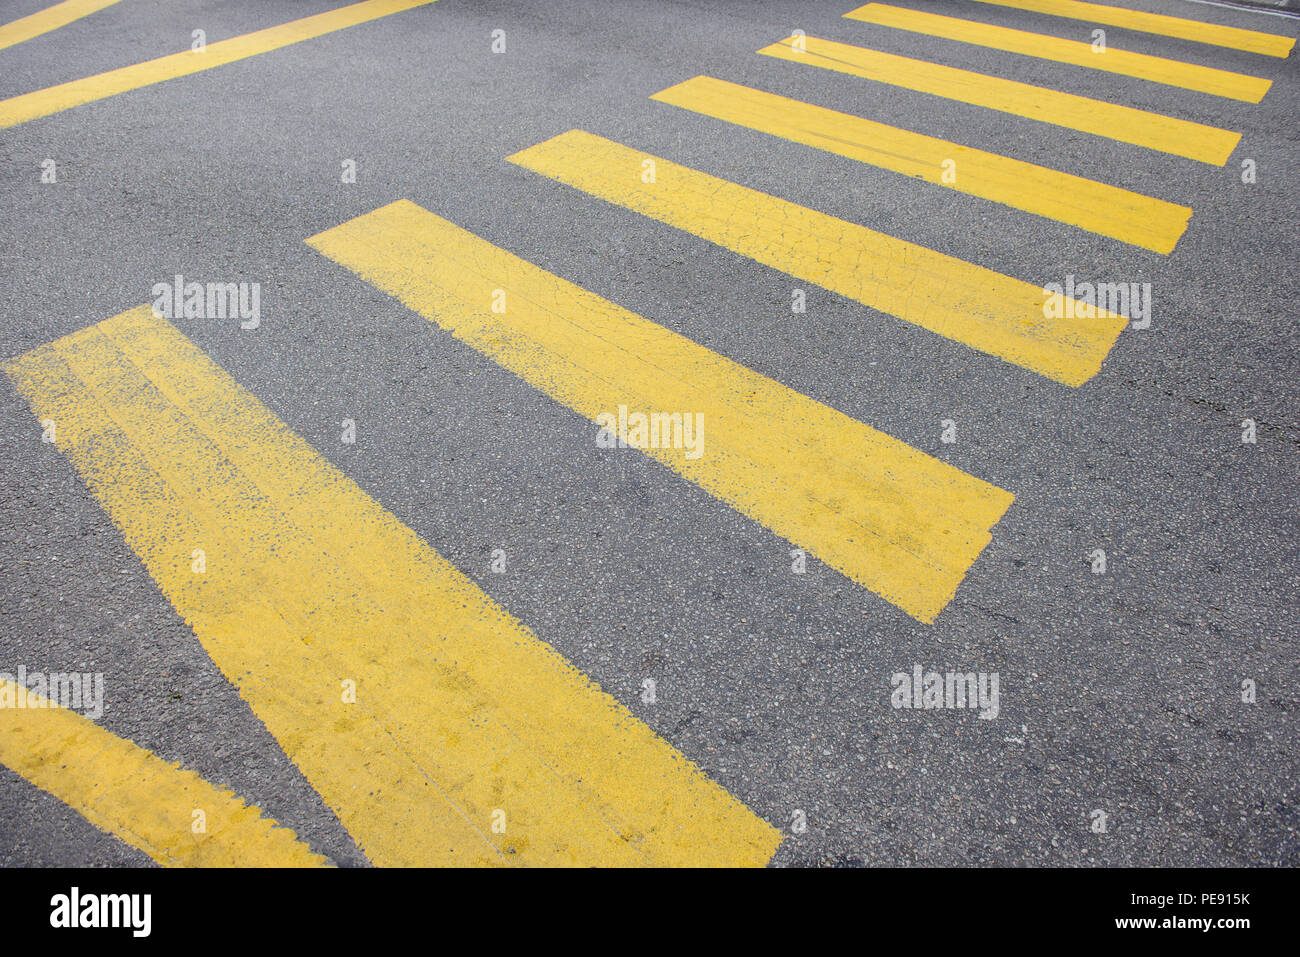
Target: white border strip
x,y
1250,8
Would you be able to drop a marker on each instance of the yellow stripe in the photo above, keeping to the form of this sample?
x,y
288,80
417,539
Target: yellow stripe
x,y
1251,41
460,711
132,793
30,106
897,521
1129,217
51,18
1152,130
967,303
1188,76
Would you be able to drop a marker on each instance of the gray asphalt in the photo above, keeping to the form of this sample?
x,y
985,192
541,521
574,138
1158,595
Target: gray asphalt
x,y
1120,692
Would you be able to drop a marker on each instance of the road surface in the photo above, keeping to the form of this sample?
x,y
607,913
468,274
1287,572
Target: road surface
x,y
325,351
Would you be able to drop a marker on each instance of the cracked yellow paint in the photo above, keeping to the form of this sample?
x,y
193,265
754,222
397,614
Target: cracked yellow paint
x,y
903,524
54,99
468,741
1214,34
1108,59
130,792
1206,144
1118,213
964,302
51,18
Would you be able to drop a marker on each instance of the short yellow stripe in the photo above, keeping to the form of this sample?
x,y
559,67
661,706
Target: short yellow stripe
x,y
1129,217
1235,38
897,521
459,713
967,303
1188,76
128,791
1152,130
51,18
30,106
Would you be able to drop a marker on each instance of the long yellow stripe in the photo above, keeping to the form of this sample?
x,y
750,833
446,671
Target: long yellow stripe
x,y
967,303
459,713
128,791
1235,38
30,106
1123,215
1188,76
903,524
1152,130
51,18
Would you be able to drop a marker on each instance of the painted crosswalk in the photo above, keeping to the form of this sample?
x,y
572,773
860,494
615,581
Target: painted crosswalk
x,y
1127,216
903,524
1109,59
953,298
1214,34
1115,121
55,99
171,814
438,728
51,18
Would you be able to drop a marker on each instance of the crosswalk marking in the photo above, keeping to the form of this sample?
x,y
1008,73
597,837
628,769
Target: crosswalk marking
x,y
897,521
128,791
964,302
308,583
1235,38
1188,76
1130,217
51,18
30,106
1152,130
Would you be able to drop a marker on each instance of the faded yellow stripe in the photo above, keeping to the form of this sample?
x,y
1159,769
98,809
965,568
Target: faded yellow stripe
x,y
1123,215
1167,134
51,18
1235,38
964,302
460,711
1188,76
897,521
30,106
130,792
